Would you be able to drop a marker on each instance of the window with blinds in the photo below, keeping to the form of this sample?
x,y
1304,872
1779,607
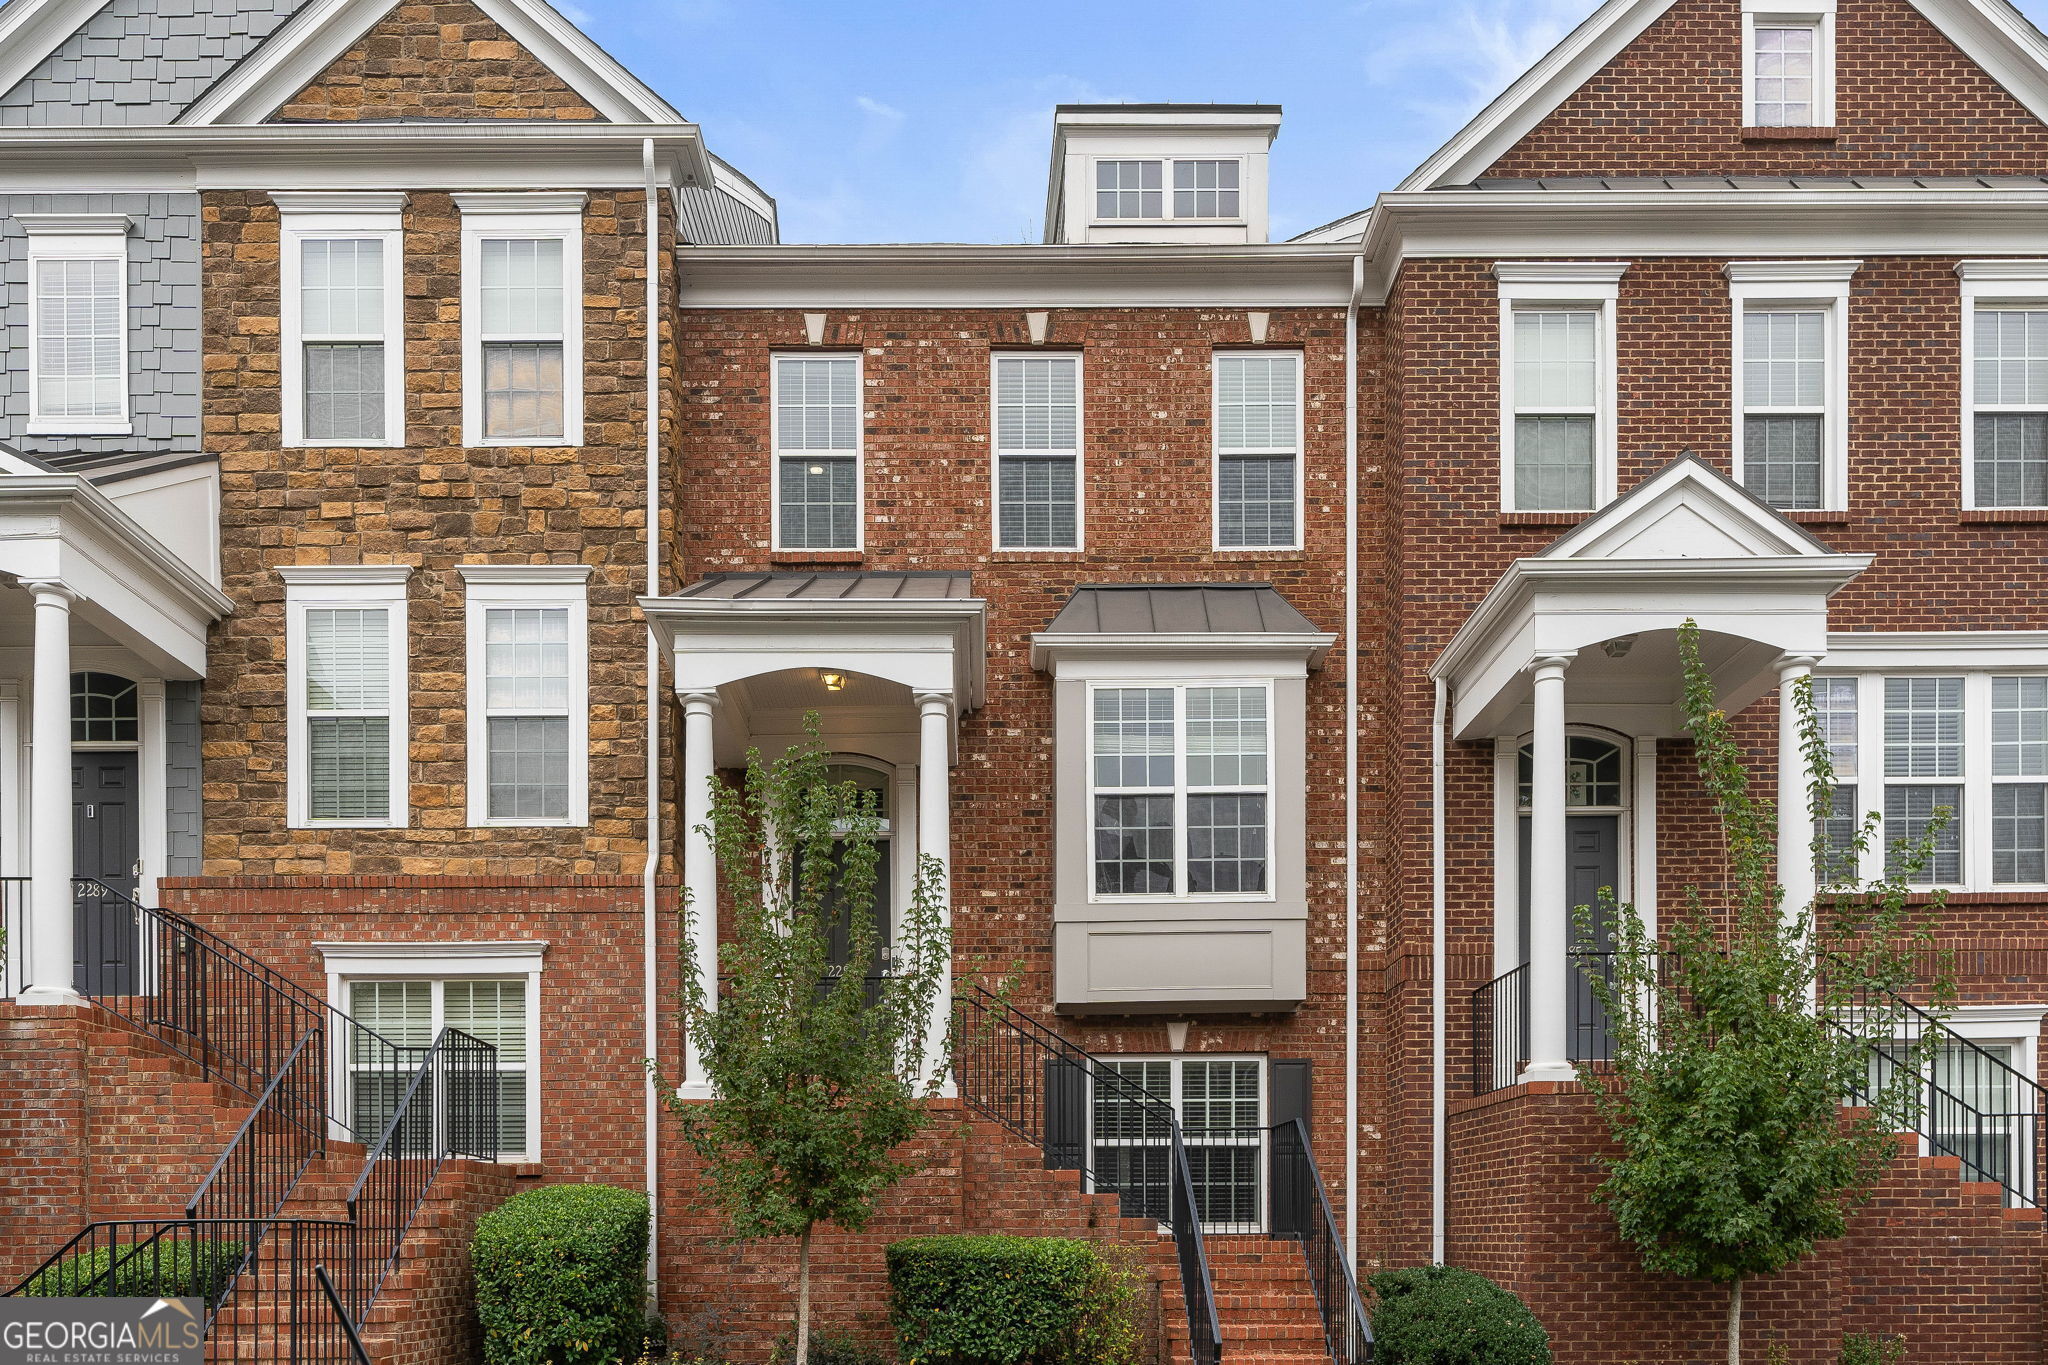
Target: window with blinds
x,y
348,713
341,334
79,342
1221,1105
411,1012
521,295
1038,451
2009,399
1785,406
817,441
1556,381
527,712
1258,450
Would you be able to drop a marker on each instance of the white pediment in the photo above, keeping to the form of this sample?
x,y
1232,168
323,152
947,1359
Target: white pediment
x,y
1686,510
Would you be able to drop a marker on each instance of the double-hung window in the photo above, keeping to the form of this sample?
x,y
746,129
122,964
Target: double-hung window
x,y
522,318
1788,66
1557,384
1258,450
1791,380
1180,785
2005,384
1221,1105
345,646
1203,188
817,440
529,727
343,351
77,323
1038,452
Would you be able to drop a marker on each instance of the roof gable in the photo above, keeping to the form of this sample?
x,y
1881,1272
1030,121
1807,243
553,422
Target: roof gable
x,y
123,61
1988,32
1687,510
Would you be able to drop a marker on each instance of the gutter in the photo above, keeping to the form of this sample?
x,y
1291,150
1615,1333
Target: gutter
x,y
1439,1062
649,919
1351,760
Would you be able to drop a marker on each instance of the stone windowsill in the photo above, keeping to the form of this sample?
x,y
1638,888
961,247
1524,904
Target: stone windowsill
x,y
1788,135
2011,516
1543,518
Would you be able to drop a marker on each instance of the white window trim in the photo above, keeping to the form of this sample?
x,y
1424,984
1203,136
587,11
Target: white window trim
x,y
859,451
1166,213
1216,451
344,585
1176,1098
551,586
1818,15
1806,286
1990,284
996,461
1594,286
522,216
76,237
349,962
2018,1026
313,216
1180,895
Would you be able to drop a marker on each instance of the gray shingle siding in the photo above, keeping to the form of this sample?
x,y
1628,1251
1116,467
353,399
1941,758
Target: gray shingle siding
x,y
181,763
711,217
163,322
141,61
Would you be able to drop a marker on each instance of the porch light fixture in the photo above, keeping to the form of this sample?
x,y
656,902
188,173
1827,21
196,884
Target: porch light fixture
x,y
1618,649
834,682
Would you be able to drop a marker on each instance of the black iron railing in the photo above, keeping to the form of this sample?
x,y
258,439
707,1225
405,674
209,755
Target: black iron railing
x,y
1500,1021
1301,1209
1021,1075
14,922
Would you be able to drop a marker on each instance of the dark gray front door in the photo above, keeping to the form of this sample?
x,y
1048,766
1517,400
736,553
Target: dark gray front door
x,y
106,843
1592,852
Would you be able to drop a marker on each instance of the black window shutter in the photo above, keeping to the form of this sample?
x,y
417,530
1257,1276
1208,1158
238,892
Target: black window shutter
x,y
1066,1113
1291,1189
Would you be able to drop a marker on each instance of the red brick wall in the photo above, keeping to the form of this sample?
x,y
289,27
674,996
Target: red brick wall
x,y
1907,102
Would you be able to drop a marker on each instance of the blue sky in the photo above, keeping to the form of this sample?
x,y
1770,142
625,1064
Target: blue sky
x,y
930,120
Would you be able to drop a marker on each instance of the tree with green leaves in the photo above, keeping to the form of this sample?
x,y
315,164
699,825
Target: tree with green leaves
x,y
1737,1039
819,1044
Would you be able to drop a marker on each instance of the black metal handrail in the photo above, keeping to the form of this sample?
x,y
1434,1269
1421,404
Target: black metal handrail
x,y
1500,1021
1301,1209
1024,1077
357,1351
14,923
283,1135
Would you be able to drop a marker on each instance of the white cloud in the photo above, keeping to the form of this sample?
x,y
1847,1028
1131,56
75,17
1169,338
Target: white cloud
x,y
1450,62
1004,163
879,124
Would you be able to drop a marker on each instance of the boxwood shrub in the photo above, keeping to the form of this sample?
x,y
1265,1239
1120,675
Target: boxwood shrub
x,y
559,1276
169,1269
1440,1315
993,1300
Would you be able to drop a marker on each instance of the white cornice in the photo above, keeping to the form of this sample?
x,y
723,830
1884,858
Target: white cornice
x,y
354,575
329,201
75,224
148,559
1049,648
1560,272
520,202
1791,272
385,950
1937,649
2031,271
524,573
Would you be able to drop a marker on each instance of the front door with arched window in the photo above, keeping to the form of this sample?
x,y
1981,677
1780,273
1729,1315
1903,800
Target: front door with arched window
x,y
1596,802
106,830
873,784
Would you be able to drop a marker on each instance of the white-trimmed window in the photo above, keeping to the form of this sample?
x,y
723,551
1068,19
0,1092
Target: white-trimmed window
x,y
1558,388
345,667
1038,451
1204,189
408,993
1974,1107
522,318
1258,426
342,305
77,323
1180,783
1788,66
1221,1105
529,714
817,439
1791,339
2005,383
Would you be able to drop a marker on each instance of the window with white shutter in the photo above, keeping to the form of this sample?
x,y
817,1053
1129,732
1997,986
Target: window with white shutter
x,y
1258,450
346,677
77,323
1038,452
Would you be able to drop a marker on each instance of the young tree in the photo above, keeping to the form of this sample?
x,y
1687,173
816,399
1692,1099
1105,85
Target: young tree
x,y
818,1067
1736,1043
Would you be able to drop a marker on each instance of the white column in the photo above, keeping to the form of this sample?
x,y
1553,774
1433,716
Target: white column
x,y
700,862
1795,825
50,857
1549,916
935,833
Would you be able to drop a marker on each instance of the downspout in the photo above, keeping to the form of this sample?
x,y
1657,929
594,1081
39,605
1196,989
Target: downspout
x,y
1439,1144
1351,759
649,918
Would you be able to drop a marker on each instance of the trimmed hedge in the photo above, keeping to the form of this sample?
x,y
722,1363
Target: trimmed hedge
x,y
993,1300
170,1269
1440,1315
559,1276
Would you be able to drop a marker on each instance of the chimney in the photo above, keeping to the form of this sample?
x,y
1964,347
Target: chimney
x,y
1186,173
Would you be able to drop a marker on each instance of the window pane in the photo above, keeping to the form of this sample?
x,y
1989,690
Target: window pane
x,y
1255,500
1781,460
104,707
1226,736
1972,1110
526,659
1923,727
1219,1097
341,288
1839,829
1205,189
1834,702
349,761
345,391
1257,407
1908,811
1227,844
1553,463
2011,456
1131,1142
1037,402
521,290
2019,847
1129,189
81,338
1784,77
2019,727
528,767
817,403
1556,359
820,503
1784,359
523,389
1133,737
493,1012
401,1012
348,659
1038,501
2011,347
1134,845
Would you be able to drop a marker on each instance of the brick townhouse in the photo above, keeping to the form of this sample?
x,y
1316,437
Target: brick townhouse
x,y
425,470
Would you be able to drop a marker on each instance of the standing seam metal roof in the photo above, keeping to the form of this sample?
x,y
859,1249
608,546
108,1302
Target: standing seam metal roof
x,y
830,587
1179,609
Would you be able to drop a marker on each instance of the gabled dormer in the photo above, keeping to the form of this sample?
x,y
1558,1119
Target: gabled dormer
x,y
1144,173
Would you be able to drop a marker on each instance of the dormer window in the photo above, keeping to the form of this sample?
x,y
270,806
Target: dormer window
x,y
1202,189
1129,189
1788,70
1205,189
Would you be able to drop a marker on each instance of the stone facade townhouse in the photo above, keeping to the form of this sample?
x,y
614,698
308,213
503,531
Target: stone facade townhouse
x,y
426,469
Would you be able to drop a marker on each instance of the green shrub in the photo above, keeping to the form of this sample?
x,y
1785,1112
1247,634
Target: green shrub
x,y
830,1348
559,1276
1440,1315
168,1269
1858,1349
1011,1300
